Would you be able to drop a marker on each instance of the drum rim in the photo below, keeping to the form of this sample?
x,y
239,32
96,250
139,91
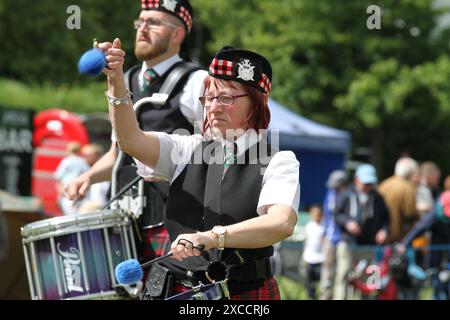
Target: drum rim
x,y
95,296
59,233
77,223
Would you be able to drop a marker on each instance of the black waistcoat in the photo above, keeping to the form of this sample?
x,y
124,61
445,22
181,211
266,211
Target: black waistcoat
x,y
165,118
240,190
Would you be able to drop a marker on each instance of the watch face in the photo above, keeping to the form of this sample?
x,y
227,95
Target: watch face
x,y
219,230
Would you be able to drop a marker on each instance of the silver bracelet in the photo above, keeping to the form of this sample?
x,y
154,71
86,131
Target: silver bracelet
x,y
116,101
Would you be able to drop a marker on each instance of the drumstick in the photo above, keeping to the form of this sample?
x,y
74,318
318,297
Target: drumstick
x,y
148,263
122,191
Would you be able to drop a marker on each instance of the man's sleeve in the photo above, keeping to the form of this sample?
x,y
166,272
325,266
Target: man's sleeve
x,y
59,173
190,106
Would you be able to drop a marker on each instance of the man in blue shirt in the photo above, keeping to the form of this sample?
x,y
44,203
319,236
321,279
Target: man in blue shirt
x,y
337,182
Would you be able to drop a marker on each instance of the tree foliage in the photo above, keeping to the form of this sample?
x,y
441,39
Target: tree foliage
x,y
387,86
37,45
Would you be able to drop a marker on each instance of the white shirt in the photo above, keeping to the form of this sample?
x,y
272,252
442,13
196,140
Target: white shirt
x,y
313,244
190,106
98,192
280,183
70,167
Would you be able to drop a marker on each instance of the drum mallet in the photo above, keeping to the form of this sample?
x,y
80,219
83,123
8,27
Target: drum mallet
x,y
92,62
131,271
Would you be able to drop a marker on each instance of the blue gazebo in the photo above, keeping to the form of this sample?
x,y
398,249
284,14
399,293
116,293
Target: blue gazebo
x,y
320,149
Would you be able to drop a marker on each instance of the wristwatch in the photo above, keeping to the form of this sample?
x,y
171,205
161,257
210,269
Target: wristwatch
x,y
220,231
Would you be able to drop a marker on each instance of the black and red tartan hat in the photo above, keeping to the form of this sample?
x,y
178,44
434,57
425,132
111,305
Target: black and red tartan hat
x,y
244,66
181,9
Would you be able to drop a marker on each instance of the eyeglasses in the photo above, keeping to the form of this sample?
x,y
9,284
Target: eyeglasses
x,y
223,99
152,23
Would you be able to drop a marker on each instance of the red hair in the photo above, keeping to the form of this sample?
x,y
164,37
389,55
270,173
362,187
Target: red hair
x,y
259,114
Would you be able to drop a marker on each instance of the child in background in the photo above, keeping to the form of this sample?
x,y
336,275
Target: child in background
x,y
313,255
68,169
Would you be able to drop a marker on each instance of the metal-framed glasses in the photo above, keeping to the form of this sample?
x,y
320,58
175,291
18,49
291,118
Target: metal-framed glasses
x,y
222,99
153,23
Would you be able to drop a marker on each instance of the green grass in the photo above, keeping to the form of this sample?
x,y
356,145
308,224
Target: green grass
x,y
294,290
291,289
43,96
426,294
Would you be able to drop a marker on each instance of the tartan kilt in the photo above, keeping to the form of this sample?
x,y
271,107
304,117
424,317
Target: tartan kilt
x,y
268,291
154,242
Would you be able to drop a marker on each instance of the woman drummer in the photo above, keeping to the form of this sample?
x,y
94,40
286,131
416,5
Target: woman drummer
x,y
230,190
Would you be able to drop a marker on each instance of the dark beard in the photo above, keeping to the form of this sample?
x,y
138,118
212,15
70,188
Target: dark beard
x,y
147,51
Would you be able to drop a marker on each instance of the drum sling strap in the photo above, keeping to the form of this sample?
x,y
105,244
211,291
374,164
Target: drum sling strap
x,y
179,73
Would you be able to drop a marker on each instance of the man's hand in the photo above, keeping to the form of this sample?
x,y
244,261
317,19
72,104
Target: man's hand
x,y
381,236
353,228
400,248
77,188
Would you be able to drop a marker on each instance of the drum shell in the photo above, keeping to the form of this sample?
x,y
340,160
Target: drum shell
x,y
73,257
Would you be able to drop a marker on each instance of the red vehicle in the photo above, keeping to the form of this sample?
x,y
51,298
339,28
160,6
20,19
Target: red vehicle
x,y
54,128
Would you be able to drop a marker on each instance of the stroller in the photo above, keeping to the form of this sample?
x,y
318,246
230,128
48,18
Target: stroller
x,y
396,276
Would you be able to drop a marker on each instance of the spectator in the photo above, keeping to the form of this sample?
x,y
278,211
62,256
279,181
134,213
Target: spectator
x,y
424,203
447,183
97,195
92,153
363,218
312,254
430,176
337,183
438,221
68,169
400,196
424,198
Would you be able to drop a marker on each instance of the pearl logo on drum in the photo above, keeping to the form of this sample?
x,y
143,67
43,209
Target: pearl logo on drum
x,y
70,261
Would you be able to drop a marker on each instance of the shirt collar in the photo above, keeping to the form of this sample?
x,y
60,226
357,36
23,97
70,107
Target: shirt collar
x,y
245,141
163,66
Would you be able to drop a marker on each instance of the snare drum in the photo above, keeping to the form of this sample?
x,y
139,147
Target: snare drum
x,y
73,257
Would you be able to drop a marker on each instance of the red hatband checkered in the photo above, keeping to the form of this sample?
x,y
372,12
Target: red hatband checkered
x,y
149,4
222,67
186,17
265,83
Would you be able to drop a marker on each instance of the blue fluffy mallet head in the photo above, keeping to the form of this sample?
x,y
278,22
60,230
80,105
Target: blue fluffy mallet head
x,y
129,271
92,62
